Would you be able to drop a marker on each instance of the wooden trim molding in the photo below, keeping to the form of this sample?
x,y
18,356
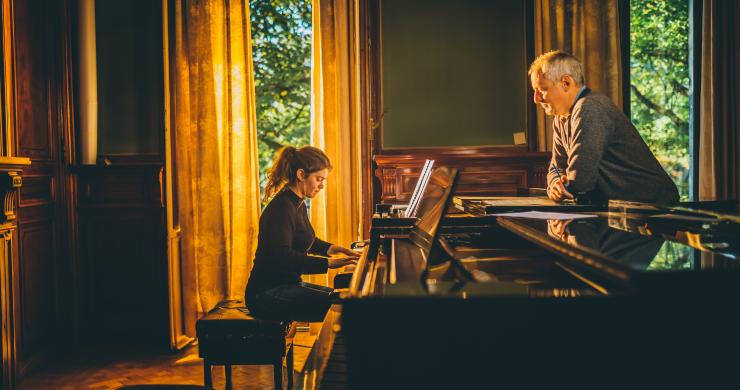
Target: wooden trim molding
x,y
368,67
7,136
6,305
11,180
10,185
130,160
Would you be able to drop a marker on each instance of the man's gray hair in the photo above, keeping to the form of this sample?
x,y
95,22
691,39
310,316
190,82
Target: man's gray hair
x,y
555,64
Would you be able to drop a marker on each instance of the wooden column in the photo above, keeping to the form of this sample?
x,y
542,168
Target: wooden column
x,y
10,184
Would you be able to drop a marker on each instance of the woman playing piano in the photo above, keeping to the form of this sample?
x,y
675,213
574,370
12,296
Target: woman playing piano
x,y
287,246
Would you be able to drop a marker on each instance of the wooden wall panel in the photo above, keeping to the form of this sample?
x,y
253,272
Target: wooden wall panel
x,y
36,304
124,188
36,295
479,175
32,79
10,182
37,188
8,251
37,300
122,241
126,274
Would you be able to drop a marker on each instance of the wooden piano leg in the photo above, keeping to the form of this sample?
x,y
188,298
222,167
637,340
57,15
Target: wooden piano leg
x,y
289,364
278,375
207,378
227,371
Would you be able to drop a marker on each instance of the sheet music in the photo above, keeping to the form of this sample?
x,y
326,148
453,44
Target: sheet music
x,y
519,201
421,184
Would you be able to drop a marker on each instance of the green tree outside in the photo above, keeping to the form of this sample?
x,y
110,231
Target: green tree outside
x,y
281,51
659,82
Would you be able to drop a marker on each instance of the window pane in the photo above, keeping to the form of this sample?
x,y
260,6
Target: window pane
x,y
659,78
281,50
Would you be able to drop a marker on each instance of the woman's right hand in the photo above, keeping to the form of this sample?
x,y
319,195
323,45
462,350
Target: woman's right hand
x,y
339,262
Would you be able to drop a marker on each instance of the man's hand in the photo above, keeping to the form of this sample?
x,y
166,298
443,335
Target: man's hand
x,y
557,192
556,228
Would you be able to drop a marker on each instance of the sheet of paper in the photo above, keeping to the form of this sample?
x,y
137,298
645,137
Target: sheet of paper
x,y
545,215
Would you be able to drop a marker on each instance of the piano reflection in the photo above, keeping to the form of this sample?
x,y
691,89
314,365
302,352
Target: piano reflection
x,y
457,301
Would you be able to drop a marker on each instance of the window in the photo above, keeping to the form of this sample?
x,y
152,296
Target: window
x,y
660,95
281,50
660,83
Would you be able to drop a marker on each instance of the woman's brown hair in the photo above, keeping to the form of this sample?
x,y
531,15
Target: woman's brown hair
x,y
288,160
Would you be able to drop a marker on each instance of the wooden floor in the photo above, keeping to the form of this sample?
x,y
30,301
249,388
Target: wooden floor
x,y
114,367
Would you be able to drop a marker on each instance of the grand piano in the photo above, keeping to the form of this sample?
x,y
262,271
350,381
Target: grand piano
x,y
622,298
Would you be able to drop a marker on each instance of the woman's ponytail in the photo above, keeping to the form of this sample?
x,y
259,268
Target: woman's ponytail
x,y
281,171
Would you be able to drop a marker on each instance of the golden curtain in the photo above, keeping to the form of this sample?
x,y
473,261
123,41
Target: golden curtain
x,y
215,150
335,213
719,133
588,29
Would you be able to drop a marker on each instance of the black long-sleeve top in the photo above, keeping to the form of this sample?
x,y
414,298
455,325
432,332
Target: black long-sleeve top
x,y
284,242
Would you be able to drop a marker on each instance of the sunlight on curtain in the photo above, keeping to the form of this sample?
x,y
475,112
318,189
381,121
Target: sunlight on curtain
x,y
88,83
588,29
719,143
216,151
335,213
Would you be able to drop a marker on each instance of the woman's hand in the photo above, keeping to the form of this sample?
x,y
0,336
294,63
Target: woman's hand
x,y
348,256
339,262
339,250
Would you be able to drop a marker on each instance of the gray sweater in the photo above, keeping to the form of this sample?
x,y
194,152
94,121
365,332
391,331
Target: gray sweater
x,y
602,154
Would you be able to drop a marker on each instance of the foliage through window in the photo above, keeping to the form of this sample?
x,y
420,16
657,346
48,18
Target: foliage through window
x,y
281,51
659,78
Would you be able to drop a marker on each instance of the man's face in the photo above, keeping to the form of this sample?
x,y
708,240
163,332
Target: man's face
x,y
553,97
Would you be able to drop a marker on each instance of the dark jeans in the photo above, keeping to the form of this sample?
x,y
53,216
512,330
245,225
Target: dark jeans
x,y
292,302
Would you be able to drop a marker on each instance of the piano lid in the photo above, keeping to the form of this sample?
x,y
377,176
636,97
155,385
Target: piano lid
x,y
623,253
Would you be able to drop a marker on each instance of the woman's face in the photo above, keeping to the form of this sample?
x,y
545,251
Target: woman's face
x,y
313,183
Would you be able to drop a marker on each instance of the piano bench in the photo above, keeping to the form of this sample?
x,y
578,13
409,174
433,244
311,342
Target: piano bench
x,y
228,336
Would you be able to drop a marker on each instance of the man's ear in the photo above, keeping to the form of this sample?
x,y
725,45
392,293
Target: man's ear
x,y
568,82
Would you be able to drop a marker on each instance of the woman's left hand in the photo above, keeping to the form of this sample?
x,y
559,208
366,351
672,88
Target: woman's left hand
x,y
340,250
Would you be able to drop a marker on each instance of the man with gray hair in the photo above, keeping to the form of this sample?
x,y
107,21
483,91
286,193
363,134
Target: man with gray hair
x,y
597,153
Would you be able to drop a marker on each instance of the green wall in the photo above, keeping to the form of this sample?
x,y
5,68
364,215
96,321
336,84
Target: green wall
x,y
453,72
